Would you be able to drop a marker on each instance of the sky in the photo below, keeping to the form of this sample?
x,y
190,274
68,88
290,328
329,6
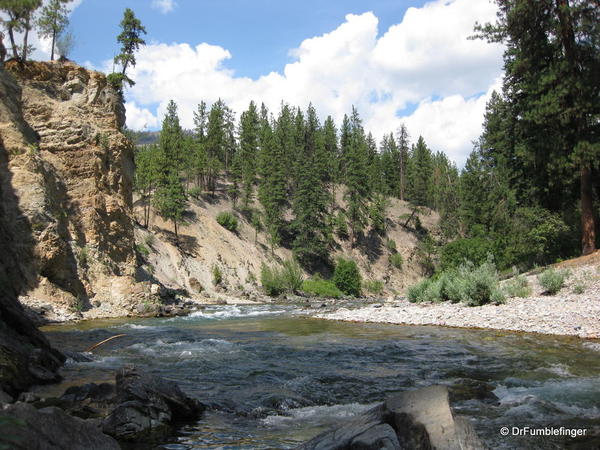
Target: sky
x,y
397,61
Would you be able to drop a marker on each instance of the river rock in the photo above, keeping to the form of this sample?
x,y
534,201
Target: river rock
x,y
147,406
420,420
379,437
50,429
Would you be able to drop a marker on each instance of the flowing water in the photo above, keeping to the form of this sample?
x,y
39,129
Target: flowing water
x,y
273,378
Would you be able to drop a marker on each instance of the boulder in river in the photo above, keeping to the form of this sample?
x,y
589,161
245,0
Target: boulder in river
x,y
147,407
419,419
26,428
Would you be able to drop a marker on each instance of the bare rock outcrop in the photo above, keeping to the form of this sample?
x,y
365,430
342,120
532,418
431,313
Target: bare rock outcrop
x,y
25,355
71,169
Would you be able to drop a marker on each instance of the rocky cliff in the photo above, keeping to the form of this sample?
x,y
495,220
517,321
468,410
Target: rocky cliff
x,y
25,355
71,172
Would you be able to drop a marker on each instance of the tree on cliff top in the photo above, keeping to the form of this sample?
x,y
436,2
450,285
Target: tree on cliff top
x,y
52,21
130,40
20,15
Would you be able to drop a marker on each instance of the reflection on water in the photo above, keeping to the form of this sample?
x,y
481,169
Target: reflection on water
x,y
273,378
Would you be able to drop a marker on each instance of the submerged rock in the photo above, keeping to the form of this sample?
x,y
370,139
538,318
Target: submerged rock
x,y
420,419
28,428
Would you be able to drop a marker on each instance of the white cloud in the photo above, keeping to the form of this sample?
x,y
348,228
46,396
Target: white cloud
x,y
139,118
426,56
164,6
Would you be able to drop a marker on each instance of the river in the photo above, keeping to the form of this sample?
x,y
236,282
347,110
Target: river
x,y
274,378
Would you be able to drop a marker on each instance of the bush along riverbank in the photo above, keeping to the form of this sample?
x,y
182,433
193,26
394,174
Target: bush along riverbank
x,y
562,300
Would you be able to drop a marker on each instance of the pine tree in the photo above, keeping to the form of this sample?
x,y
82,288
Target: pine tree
x,y
551,84
311,200
272,191
171,142
130,39
421,174
20,19
402,141
146,176
357,186
199,145
216,144
53,19
170,200
249,131
330,143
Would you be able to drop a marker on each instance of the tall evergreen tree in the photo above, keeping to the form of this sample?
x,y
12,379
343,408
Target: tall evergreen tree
x,y
421,174
552,61
171,142
20,19
311,200
130,39
357,186
249,135
53,19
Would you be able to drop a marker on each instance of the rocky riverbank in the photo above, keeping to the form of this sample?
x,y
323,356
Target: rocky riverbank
x,y
566,313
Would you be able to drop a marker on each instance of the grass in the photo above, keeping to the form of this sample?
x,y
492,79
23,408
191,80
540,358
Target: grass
x,y
142,250
373,286
552,280
396,261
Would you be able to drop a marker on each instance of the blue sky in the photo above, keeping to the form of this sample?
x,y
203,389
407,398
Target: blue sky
x,y
397,61
259,34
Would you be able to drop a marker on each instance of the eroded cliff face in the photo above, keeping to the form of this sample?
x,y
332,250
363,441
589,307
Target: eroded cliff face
x,y
71,171
25,355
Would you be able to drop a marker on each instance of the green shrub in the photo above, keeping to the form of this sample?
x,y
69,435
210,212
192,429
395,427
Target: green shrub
x,y
454,254
287,278
373,286
217,275
518,286
416,292
271,282
195,192
142,250
341,226
469,284
228,221
149,240
84,256
347,277
396,260
481,283
390,244
292,275
552,280
321,288
579,287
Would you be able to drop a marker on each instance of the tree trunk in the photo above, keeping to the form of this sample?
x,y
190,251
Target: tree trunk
x,y
53,43
588,225
11,35
176,235
25,39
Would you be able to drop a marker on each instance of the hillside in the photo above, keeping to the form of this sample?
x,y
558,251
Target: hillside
x,y
71,169
204,244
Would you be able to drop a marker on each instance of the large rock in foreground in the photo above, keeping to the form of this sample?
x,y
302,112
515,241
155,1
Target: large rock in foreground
x,y
27,428
419,420
147,407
